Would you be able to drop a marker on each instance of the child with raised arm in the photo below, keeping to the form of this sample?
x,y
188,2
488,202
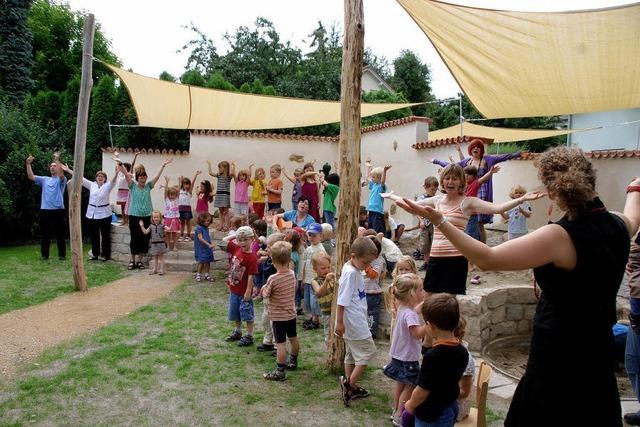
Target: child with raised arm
x,y
184,207
244,266
258,191
434,400
274,189
311,190
517,217
280,292
323,286
297,186
330,189
202,247
122,199
241,198
405,341
223,193
171,213
377,177
351,319
204,197
157,243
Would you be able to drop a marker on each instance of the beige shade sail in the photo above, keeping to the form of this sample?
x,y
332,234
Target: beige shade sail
x,y
497,134
162,104
522,64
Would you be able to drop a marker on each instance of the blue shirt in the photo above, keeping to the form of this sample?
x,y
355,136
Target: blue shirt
x,y
517,221
52,191
293,215
376,203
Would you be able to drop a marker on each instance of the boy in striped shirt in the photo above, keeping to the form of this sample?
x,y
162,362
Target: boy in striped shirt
x,y
280,290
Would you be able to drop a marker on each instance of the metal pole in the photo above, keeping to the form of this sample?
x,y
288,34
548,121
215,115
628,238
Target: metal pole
x,y
110,136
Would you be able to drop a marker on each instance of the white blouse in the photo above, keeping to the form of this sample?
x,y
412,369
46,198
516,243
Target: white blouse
x,y
99,206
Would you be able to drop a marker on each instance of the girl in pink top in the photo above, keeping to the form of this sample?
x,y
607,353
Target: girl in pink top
x,y
205,196
241,180
171,214
405,341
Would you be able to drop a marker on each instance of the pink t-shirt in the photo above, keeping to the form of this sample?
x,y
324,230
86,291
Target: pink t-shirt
x,y
242,192
404,347
202,205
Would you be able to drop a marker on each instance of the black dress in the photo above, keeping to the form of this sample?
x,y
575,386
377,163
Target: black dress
x,y
570,378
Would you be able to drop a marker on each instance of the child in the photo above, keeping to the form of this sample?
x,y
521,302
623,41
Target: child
x,y
377,178
123,191
280,294
202,246
434,400
297,186
236,222
405,265
223,193
171,213
244,266
274,188
323,285
205,196
331,188
405,341
242,189
310,190
266,268
373,277
392,230
362,217
157,245
297,248
311,307
258,192
184,207
473,185
517,217
351,319
466,382
327,238
260,235
426,228
390,252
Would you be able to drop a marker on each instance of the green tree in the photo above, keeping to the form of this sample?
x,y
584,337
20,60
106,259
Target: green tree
x,y
101,113
412,78
15,50
384,96
193,77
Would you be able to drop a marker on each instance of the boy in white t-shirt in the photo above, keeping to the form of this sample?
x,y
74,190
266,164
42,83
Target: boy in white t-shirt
x,y
351,318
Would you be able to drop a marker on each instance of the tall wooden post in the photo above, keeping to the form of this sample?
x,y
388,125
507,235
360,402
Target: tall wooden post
x,y
75,214
349,203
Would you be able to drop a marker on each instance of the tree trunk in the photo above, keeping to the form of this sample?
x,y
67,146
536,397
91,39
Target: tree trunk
x,y
75,210
349,203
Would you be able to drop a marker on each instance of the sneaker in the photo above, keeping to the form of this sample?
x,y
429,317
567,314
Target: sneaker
x,y
245,341
417,255
291,363
396,420
265,347
207,278
299,312
180,239
235,336
475,280
633,418
346,390
276,375
198,278
359,393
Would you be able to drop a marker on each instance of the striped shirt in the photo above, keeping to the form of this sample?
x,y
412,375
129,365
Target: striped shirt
x,y
224,185
441,246
280,289
140,199
325,300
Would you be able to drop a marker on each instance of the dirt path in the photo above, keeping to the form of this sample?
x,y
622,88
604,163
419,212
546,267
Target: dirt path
x,y
25,333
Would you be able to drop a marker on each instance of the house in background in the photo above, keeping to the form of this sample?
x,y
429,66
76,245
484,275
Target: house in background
x,y
373,81
610,138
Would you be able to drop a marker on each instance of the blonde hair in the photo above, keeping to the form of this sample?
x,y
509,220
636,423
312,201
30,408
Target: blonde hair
x,y
281,252
158,213
258,172
405,259
517,189
172,191
363,246
459,330
276,168
377,172
320,256
404,286
456,171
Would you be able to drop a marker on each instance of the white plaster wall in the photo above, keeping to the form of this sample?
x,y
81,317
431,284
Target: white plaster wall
x,y
618,137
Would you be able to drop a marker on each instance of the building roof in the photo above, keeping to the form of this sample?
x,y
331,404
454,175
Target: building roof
x,y
447,141
378,77
130,150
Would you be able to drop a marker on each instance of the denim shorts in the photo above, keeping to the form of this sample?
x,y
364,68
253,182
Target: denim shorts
x,y
186,215
239,309
311,304
402,372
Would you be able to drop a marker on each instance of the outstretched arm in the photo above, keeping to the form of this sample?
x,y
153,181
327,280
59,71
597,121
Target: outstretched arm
x,y
157,177
286,175
135,157
459,150
211,170
631,211
166,187
384,173
398,199
482,207
193,181
30,174
484,178
232,171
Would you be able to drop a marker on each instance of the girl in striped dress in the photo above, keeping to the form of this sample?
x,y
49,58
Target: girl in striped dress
x,y
447,268
222,200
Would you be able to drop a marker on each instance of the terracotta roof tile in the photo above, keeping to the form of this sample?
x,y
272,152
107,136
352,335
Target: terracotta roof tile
x,y
130,150
448,141
397,122
264,135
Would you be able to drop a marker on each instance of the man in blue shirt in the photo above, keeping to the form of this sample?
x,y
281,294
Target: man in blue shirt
x,y
52,212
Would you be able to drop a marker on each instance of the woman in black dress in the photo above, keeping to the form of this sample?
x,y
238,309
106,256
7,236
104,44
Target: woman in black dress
x,y
578,263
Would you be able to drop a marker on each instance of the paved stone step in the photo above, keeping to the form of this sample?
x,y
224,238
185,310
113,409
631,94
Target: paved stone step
x,y
181,254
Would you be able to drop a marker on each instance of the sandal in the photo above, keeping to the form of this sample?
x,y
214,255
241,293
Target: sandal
x,y
276,375
346,391
140,265
292,363
131,266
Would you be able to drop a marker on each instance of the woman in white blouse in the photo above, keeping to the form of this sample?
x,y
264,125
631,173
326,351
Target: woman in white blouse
x,y
99,215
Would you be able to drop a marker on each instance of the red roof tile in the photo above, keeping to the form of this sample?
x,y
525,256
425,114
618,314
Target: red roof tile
x,y
129,150
448,141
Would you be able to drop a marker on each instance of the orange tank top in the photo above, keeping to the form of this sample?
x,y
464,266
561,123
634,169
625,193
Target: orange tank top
x,y
441,247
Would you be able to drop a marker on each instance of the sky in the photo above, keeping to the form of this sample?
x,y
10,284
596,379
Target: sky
x,y
146,34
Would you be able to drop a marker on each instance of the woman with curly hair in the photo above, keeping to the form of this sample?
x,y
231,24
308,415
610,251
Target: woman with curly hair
x,y
578,262
483,162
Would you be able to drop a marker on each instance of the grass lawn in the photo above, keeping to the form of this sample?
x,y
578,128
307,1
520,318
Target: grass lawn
x,y
26,280
168,364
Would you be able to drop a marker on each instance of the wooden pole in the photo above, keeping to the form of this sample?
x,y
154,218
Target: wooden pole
x,y
75,213
349,149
